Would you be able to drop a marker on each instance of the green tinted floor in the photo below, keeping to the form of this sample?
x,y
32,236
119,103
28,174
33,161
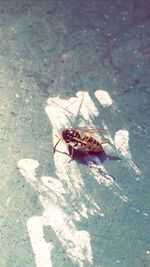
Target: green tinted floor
x,y
82,65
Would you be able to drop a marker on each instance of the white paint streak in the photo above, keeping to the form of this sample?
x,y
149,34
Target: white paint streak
x,y
41,248
101,175
27,168
104,98
88,109
122,145
76,243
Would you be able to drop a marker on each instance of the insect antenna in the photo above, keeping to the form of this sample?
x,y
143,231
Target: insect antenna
x,y
64,108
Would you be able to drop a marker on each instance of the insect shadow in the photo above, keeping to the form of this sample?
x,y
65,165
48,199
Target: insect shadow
x,y
93,159
83,158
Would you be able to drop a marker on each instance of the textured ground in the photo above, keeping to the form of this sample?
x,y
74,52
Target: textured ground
x,y
72,64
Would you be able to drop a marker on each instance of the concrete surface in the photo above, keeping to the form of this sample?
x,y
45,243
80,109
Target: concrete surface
x,y
95,56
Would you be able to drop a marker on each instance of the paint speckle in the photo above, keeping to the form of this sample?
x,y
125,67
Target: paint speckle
x,y
104,98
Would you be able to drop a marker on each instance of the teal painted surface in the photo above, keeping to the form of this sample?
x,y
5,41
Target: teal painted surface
x,y
51,48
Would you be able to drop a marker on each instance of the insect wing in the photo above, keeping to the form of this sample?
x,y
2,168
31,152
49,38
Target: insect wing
x,y
85,130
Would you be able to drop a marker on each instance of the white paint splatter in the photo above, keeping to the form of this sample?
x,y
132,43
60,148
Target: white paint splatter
x,y
122,145
104,98
27,167
100,174
82,107
63,197
76,243
41,248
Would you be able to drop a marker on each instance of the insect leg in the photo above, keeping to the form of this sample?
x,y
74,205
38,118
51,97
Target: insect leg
x,y
72,149
57,144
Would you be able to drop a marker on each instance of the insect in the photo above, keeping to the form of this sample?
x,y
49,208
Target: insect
x,y
82,140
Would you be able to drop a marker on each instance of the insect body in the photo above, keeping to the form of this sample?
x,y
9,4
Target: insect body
x,y
79,139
